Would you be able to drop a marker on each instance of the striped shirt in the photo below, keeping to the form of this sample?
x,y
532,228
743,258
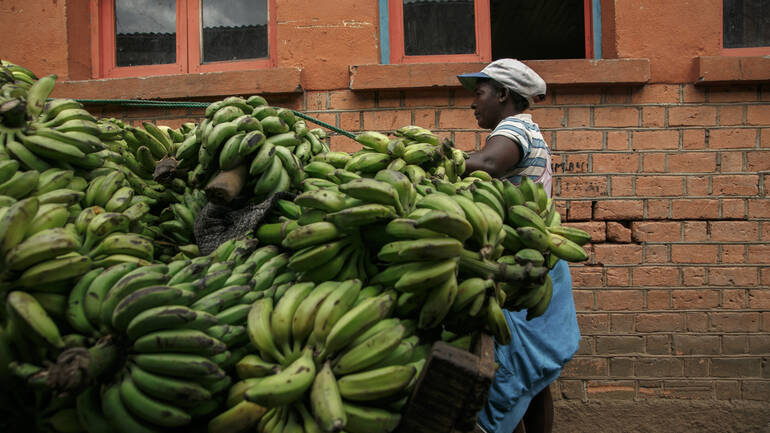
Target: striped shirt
x,y
535,155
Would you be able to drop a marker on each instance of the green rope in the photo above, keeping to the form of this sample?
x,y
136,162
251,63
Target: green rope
x,y
187,104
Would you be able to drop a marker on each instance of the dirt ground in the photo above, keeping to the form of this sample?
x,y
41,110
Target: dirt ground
x,y
662,416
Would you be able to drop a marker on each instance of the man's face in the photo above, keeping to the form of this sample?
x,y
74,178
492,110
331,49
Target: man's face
x,y
486,105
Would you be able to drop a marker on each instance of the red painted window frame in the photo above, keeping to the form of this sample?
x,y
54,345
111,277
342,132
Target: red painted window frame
x,y
737,52
188,43
483,36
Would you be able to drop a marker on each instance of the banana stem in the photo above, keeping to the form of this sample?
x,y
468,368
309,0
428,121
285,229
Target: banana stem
x,y
473,263
78,367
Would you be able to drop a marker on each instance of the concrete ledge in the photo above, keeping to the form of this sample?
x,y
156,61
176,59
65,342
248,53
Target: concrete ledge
x,y
661,415
205,85
728,69
571,72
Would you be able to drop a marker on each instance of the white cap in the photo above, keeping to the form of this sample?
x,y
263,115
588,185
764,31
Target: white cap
x,y
512,74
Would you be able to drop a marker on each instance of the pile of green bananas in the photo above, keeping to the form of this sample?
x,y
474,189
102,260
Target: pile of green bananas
x,y
320,319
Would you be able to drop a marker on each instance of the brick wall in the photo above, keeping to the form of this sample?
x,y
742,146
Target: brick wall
x,y
671,181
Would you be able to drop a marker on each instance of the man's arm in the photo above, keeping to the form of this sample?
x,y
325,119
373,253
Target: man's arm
x,y
498,156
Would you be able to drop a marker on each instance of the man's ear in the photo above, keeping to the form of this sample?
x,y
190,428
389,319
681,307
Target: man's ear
x,y
503,94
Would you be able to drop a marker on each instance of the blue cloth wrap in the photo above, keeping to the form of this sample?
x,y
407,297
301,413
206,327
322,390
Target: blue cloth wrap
x,y
538,351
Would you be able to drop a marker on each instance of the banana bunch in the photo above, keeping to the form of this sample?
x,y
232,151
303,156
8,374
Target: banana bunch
x,y
178,224
329,357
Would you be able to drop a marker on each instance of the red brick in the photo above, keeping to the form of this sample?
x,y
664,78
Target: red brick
x,y
316,100
578,117
696,322
425,117
578,140
619,344
619,300
759,254
615,163
388,98
643,231
340,143
732,94
456,118
619,140
759,299
618,277
728,389
386,121
586,367
576,163
733,299
616,116
693,276
617,95
328,117
758,114
426,98
733,254
574,96
647,140
657,209
733,208
655,254
694,253
611,254
583,186
617,232
695,299
734,344
619,210
655,276
764,278
693,139
571,389
696,345
730,162
621,367
650,389
695,209
656,94
654,163
764,138
622,186
584,300
657,345
462,98
732,138
688,389
466,141
579,211
610,390
730,115
696,367
698,185
548,118
622,323
734,231
597,229
758,161
692,162
586,276
659,186
653,117
348,100
593,323
734,322
756,390
765,321
692,116
659,367
735,367
759,344
732,276
350,120
695,231
658,322
658,300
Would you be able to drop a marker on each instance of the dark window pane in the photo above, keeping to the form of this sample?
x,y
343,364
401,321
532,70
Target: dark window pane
x,y
234,30
145,32
746,23
439,27
537,29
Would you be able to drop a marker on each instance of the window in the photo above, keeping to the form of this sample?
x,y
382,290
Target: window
x,y
483,30
155,37
746,27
